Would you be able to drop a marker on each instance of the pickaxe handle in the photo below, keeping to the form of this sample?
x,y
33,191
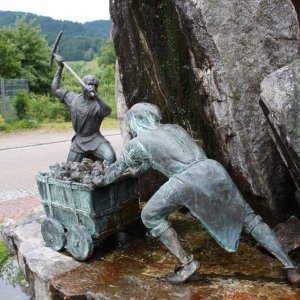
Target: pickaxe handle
x,y
77,77
54,48
53,55
73,73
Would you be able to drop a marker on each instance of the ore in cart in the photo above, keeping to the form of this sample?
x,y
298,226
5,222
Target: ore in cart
x,y
78,215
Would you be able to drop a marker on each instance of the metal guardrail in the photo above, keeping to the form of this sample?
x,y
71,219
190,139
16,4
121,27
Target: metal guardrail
x,y
9,89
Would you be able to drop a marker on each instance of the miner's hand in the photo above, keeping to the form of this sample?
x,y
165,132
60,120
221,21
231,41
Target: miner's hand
x,y
60,60
98,181
91,91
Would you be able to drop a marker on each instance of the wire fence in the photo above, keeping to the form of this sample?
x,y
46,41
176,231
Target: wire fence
x,y
8,90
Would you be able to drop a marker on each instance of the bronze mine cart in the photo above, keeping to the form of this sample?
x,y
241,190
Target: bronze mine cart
x,y
78,215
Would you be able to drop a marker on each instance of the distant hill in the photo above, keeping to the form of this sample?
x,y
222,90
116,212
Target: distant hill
x,y
79,42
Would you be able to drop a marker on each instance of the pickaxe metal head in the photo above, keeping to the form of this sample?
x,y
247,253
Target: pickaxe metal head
x,y
54,49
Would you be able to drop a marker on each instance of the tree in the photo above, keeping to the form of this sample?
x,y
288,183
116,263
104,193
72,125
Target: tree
x,y
106,74
30,55
36,54
107,54
10,62
88,55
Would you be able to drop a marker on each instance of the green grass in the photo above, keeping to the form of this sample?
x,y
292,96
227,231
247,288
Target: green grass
x,y
4,254
6,128
107,123
55,125
110,123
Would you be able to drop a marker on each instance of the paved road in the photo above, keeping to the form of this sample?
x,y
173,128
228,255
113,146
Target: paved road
x,y
23,154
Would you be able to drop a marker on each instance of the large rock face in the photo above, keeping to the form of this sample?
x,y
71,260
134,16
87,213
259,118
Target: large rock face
x,y
280,96
202,63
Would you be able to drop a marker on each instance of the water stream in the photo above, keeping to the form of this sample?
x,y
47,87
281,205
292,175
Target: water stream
x,y
12,283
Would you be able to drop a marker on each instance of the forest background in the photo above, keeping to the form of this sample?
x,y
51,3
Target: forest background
x,y
25,46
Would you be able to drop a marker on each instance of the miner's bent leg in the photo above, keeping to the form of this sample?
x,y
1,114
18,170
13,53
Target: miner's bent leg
x,y
75,156
105,152
154,217
263,234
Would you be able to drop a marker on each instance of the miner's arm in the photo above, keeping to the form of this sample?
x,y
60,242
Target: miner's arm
x,y
56,89
132,160
104,107
57,76
112,173
138,171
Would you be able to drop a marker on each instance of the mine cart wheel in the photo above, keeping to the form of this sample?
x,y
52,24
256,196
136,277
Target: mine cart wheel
x,y
53,234
79,242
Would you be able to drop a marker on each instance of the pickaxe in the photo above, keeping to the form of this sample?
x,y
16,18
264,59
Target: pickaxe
x,y
53,55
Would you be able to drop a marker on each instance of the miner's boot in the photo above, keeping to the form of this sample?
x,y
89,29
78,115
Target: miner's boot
x,y
267,238
186,266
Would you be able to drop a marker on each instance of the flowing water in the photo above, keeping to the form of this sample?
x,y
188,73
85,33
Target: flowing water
x,y
12,284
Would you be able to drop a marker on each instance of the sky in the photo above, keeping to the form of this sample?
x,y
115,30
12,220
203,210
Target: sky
x,y
71,10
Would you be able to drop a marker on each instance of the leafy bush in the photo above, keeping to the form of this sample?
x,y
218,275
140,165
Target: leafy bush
x,y
107,92
58,112
38,107
4,254
32,109
19,124
107,54
44,108
25,124
21,104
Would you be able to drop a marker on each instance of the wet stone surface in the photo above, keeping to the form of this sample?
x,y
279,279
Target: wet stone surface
x,y
136,270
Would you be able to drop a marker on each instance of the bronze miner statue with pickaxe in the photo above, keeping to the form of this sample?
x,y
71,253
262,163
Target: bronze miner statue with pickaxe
x,y
87,111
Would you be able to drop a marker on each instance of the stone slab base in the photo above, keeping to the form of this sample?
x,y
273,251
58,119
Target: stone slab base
x,y
135,269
